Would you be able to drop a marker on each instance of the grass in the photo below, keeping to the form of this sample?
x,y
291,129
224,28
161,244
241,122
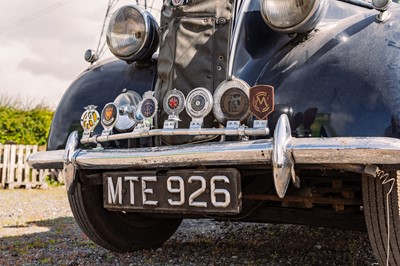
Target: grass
x,y
51,182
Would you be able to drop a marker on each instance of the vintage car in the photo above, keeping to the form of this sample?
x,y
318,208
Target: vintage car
x,y
275,111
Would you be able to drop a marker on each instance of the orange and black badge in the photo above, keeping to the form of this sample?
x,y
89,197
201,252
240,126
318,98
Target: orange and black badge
x,y
109,115
261,101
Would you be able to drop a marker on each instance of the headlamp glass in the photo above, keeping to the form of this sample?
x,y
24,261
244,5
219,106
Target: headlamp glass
x,y
287,13
293,16
132,33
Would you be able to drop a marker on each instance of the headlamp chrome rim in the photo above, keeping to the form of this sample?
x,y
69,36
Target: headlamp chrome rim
x,y
309,23
150,41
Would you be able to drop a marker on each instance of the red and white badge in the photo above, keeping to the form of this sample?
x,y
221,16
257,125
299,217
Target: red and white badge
x,y
174,102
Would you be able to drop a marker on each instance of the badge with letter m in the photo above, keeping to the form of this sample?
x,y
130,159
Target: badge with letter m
x,y
262,101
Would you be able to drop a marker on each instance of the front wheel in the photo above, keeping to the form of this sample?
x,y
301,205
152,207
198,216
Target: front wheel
x,y
375,211
117,231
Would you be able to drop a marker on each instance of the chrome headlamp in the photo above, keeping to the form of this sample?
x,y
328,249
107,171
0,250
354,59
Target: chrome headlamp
x,y
293,16
381,5
132,34
127,103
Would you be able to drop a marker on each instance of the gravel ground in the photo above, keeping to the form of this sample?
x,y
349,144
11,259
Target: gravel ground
x,y
37,228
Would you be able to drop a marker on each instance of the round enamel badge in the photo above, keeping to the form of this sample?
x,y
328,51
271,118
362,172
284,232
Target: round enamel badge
x,y
234,104
174,102
109,115
231,101
199,103
147,108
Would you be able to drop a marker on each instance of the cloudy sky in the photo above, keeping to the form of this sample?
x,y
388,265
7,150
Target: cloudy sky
x,y
42,44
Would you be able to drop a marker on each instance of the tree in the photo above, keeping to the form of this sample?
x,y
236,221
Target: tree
x,y
25,126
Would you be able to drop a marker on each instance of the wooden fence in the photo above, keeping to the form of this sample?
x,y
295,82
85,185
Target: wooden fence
x,y
16,173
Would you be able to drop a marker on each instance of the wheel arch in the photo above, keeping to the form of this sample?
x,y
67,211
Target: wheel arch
x,y
97,85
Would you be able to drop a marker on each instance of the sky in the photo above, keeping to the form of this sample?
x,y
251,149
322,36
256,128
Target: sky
x,y
42,44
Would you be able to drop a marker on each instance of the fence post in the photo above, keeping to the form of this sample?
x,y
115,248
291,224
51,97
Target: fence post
x,y
35,173
2,166
27,170
11,169
4,174
20,165
42,174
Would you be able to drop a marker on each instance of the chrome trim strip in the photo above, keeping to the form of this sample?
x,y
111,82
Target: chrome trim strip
x,y
361,3
235,32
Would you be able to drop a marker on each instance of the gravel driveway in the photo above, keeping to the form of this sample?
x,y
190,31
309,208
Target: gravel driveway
x,y
37,228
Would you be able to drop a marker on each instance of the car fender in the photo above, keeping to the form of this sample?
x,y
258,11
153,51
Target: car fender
x,y
347,73
100,84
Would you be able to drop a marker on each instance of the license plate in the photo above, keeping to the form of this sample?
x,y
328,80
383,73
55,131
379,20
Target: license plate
x,y
213,191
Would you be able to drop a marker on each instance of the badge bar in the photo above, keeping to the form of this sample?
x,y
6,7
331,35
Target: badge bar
x,y
233,103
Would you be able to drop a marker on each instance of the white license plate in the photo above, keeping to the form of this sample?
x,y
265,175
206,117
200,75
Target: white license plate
x,y
212,191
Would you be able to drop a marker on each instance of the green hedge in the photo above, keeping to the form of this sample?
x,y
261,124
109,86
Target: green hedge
x,y
26,127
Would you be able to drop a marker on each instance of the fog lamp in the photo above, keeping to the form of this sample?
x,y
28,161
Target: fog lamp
x,y
127,103
132,34
293,16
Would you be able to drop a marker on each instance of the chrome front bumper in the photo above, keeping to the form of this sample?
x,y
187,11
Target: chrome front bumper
x,y
259,152
279,154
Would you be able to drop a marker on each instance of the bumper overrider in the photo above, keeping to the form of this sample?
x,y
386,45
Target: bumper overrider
x,y
280,154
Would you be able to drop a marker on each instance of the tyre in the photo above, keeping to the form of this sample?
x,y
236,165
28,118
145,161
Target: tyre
x,y
117,231
375,211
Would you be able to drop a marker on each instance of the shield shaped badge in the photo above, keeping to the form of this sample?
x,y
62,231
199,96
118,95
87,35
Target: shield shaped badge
x,y
262,101
108,113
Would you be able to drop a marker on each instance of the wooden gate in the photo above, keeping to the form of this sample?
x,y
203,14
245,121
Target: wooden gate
x,y
16,173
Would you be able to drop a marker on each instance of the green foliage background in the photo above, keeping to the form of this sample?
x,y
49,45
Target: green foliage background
x,y
25,126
